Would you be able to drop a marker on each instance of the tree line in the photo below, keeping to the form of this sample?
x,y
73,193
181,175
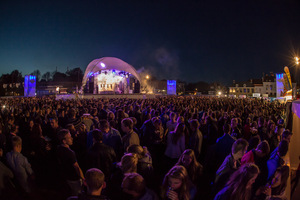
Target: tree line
x,y
13,84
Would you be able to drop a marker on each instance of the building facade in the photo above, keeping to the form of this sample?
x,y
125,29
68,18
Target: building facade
x,y
264,87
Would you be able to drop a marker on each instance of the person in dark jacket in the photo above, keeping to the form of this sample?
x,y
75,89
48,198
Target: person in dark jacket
x,y
225,143
277,160
231,163
100,155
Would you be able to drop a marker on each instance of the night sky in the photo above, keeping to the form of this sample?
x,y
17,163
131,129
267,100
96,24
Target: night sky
x,y
211,40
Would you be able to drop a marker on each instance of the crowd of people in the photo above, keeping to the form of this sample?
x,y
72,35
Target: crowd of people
x,y
176,148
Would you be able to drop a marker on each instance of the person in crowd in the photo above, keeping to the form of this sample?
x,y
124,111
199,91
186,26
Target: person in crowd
x,y
144,166
62,119
254,155
95,183
176,184
131,137
240,184
196,138
52,132
175,145
73,119
69,167
193,167
277,160
100,155
246,129
151,131
35,139
235,131
87,121
102,114
111,137
135,129
172,123
6,179
262,130
253,143
224,143
13,132
19,164
111,119
272,138
10,122
2,139
230,164
135,185
128,164
211,130
276,188
286,135
120,115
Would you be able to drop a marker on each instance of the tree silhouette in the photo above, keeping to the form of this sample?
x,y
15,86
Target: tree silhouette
x,y
46,76
75,75
59,77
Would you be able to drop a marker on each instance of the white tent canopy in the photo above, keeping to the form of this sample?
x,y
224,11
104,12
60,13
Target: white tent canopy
x,y
108,63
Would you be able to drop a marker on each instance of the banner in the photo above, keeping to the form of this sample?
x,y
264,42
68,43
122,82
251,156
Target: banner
x,y
287,71
286,83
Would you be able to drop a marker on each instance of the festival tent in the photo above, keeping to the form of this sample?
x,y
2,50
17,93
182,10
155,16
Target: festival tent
x,y
108,63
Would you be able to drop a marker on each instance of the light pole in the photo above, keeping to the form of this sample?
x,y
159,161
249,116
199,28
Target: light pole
x,y
146,81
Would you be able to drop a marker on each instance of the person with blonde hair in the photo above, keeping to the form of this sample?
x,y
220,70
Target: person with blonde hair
x,y
240,184
144,166
127,165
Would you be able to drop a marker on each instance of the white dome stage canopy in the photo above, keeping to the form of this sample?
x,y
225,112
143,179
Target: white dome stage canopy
x,y
110,75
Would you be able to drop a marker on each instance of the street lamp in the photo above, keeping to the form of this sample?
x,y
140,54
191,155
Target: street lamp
x,y
147,76
297,60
